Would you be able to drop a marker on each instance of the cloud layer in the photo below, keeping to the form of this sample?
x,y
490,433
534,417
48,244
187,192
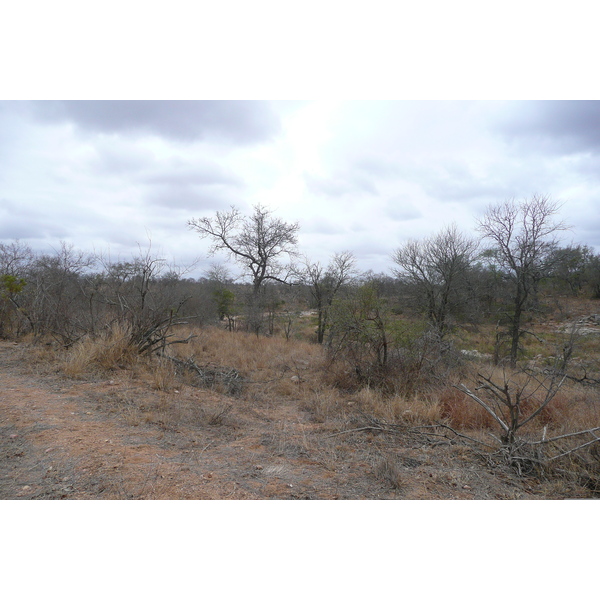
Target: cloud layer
x,y
358,176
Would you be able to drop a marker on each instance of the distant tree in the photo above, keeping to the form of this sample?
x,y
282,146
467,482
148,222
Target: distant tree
x,y
256,242
324,283
435,270
359,331
593,275
522,236
15,261
569,266
220,281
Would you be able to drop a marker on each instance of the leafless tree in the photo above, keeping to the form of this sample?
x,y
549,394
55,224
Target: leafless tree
x,y
522,236
325,282
257,242
434,268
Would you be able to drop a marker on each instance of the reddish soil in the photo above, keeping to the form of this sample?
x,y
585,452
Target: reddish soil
x,y
120,439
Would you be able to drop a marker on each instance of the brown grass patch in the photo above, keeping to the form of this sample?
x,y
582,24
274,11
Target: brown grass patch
x,y
462,412
109,351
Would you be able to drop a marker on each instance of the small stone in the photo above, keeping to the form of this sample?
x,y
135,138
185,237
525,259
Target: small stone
x,y
466,487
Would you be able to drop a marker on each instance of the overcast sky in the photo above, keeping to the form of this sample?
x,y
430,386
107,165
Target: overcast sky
x,y
363,176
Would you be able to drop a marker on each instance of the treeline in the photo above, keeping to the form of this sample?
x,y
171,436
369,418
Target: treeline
x,y
448,279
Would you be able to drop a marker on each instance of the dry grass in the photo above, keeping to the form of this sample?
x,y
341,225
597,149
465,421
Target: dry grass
x,y
388,471
573,409
162,374
109,351
274,369
462,413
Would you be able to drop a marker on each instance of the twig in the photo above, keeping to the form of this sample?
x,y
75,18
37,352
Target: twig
x,y
566,435
357,429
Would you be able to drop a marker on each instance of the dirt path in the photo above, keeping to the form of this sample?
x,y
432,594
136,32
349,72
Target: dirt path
x,y
120,439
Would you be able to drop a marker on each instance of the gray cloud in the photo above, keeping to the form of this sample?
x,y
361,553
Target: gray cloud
x,y
198,187
554,126
453,182
321,226
187,197
193,174
401,209
340,185
121,160
245,122
21,222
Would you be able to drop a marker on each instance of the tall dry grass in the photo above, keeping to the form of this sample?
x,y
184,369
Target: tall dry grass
x,y
275,369
109,351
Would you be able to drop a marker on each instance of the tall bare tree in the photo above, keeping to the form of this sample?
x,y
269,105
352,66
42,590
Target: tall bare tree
x,y
522,234
434,268
325,282
257,242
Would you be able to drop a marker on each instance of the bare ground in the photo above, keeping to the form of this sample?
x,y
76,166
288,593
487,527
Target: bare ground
x,y
120,439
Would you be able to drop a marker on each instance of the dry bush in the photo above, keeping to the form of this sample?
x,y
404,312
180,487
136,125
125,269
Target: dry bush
x,y
109,351
413,366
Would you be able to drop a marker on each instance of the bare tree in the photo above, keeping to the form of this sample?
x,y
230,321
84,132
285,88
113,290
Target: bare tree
x,y
325,282
434,268
257,242
522,235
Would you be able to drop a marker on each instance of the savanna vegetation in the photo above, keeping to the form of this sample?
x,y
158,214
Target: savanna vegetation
x,y
489,341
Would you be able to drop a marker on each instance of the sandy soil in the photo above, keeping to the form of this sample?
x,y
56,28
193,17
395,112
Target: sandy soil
x,y
120,439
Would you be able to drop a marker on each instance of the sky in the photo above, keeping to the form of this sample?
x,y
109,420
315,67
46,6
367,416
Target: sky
x,y
360,176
